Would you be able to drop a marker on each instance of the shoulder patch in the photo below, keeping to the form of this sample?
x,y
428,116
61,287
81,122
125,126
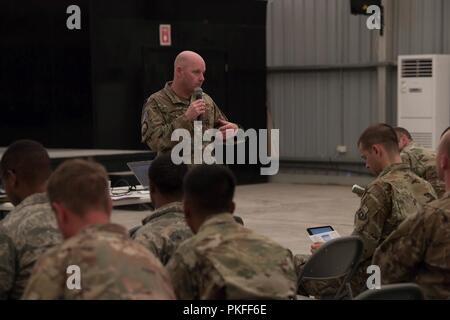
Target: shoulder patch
x,y
144,116
144,127
362,213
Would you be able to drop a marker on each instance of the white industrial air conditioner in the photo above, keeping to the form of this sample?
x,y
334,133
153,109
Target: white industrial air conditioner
x,y
424,96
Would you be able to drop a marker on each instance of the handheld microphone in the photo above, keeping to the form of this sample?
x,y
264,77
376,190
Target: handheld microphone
x,y
198,94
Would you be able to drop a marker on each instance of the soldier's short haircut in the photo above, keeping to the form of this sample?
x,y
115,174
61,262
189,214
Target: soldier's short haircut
x,y
166,175
402,131
210,188
80,185
29,160
380,133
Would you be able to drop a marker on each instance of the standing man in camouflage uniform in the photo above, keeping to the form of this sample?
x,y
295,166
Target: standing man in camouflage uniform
x,y
225,260
175,107
109,264
394,195
165,228
422,161
419,250
30,229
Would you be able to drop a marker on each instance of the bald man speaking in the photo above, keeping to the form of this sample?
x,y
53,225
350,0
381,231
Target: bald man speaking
x,y
179,104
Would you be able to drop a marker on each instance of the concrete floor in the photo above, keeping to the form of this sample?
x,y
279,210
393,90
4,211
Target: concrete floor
x,y
283,211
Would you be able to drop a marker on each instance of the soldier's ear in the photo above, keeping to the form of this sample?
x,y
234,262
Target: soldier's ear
x,y
404,140
178,70
110,206
187,209
188,215
377,149
374,149
151,187
56,207
60,213
12,177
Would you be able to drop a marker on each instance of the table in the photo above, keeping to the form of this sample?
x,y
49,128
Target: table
x,y
125,199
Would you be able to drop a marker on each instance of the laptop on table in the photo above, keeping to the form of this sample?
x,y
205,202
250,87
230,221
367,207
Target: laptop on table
x,y
140,171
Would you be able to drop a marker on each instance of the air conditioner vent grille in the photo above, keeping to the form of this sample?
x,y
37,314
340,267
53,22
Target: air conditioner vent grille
x,y
423,138
417,68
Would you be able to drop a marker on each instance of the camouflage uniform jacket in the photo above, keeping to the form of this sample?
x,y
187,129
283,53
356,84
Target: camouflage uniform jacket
x,y
423,163
163,231
419,251
25,234
393,196
111,266
225,260
164,112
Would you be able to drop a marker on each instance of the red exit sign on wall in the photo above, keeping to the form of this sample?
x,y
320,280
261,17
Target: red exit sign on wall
x,y
165,35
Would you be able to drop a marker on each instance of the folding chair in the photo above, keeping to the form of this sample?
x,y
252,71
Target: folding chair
x,y
400,291
334,260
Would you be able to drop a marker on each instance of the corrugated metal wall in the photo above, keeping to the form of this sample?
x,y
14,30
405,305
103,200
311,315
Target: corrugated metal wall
x,y
315,32
419,26
322,69
316,111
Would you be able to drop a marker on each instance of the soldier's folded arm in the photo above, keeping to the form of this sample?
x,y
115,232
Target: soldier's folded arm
x,y
401,253
7,265
371,217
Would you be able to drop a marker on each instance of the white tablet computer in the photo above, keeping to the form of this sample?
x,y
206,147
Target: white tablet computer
x,y
322,234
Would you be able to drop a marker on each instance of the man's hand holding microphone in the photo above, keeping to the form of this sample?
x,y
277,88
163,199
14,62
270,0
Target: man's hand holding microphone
x,y
197,110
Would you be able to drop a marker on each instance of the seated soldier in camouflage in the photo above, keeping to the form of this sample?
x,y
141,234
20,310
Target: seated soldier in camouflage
x,y
422,161
176,107
394,195
30,228
419,250
97,260
165,228
225,260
